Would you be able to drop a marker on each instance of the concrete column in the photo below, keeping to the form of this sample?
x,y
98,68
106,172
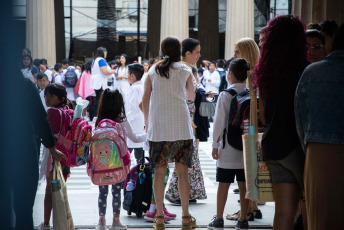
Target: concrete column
x,y
239,23
208,29
40,29
306,11
319,10
175,19
296,7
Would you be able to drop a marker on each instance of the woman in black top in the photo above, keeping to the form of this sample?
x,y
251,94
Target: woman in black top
x,y
283,59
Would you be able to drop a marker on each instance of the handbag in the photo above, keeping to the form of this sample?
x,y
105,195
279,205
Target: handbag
x,y
207,107
257,173
62,217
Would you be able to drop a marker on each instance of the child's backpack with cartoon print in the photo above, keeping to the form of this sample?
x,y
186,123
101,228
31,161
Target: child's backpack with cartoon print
x,y
110,159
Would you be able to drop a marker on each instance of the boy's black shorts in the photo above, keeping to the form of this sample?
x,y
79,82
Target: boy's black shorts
x,y
228,175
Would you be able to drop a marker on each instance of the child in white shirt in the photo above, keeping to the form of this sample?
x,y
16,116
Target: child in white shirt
x,y
42,82
134,114
211,79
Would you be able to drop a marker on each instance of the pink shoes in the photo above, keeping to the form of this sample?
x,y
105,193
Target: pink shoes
x,y
151,215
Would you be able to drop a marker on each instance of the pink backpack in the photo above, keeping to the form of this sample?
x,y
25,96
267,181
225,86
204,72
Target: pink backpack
x,y
73,139
110,159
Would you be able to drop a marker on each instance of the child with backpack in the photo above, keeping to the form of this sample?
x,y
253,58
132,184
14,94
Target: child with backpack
x,y
111,107
59,119
229,158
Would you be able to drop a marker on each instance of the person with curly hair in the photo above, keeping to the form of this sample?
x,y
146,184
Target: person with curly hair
x,y
282,61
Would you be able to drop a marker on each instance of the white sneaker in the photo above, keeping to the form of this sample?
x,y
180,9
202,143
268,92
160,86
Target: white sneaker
x,y
118,226
42,226
101,224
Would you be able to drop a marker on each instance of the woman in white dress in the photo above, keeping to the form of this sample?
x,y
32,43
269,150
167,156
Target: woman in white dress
x,y
122,75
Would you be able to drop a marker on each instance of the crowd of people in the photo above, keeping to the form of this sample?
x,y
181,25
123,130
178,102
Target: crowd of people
x,y
297,71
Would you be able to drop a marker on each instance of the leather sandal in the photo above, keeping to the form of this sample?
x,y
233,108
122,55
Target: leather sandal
x,y
190,225
159,226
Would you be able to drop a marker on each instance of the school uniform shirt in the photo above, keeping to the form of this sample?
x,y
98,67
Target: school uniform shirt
x,y
134,114
214,85
41,94
143,79
49,73
137,138
70,90
229,157
169,116
27,74
123,84
58,78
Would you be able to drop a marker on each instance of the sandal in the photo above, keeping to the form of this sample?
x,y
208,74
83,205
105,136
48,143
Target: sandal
x,y
159,226
190,225
234,216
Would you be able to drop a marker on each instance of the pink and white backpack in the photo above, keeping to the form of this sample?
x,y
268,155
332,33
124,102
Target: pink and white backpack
x,y
73,139
110,159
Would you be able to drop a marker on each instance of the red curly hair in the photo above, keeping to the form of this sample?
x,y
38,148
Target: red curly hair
x,y
284,49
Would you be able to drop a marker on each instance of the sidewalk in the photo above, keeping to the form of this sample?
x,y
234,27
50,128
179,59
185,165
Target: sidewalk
x,y
83,200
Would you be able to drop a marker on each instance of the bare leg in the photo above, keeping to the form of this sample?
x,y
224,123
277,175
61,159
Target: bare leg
x,y
222,193
244,203
159,189
184,189
287,197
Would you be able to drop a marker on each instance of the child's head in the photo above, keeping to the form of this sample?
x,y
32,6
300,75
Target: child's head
x,y
200,72
124,59
37,62
88,66
42,80
78,67
194,72
44,62
65,63
55,95
145,64
71,62
212,66
111,106
238,71
58,68
135,72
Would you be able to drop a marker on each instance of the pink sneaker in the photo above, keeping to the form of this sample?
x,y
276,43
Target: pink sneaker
x,y
171,215
151,215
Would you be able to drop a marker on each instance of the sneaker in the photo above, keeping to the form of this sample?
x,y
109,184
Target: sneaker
x,y
193,201
216,223
151,215
171,215
101,224
257,214
118,226
241,225
42,226
236,191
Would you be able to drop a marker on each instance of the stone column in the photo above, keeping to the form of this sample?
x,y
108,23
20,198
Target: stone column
x,y
60,31
153,27
40,29
239,23
306,11
175,19
296,7
208,29
319,10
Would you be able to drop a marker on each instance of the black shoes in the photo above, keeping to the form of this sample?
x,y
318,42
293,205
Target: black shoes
x,y
236,191
257,214
241,225
216,223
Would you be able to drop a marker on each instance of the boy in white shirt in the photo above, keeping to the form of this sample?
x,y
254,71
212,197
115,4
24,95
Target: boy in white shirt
x,y
42,82
230,161
134,114
58,73
70,90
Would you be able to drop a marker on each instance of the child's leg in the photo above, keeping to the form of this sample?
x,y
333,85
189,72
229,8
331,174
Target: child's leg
x,y
244,203
222,193
48,202
116,199
103,193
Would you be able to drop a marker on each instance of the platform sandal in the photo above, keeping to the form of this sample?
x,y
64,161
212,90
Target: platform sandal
x,y
159,226
190,225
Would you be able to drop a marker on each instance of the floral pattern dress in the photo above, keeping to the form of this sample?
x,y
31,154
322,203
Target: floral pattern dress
x,y
197,188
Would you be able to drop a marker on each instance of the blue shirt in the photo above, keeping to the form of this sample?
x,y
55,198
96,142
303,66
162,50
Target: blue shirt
x,y
102,63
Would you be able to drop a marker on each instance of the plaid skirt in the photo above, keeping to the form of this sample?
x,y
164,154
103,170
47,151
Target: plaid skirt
x,y
163,152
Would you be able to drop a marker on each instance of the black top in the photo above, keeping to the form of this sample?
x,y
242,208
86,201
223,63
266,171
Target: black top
x,y
280,136
202,123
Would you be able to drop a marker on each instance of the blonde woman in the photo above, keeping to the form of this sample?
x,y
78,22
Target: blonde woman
x,y
248,49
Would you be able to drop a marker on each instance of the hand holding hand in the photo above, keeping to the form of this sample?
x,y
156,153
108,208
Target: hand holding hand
x,y
56,154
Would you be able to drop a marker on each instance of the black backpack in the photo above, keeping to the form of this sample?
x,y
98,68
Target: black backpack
x,y
239,111
70,78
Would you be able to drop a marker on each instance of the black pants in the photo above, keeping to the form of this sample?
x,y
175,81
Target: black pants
x,y
138,152
98,94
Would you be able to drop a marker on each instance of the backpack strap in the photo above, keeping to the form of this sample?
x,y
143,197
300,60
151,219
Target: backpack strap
x,y
231,91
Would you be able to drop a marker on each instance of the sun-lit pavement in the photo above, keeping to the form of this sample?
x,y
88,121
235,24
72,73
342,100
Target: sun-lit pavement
x,y
83,200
